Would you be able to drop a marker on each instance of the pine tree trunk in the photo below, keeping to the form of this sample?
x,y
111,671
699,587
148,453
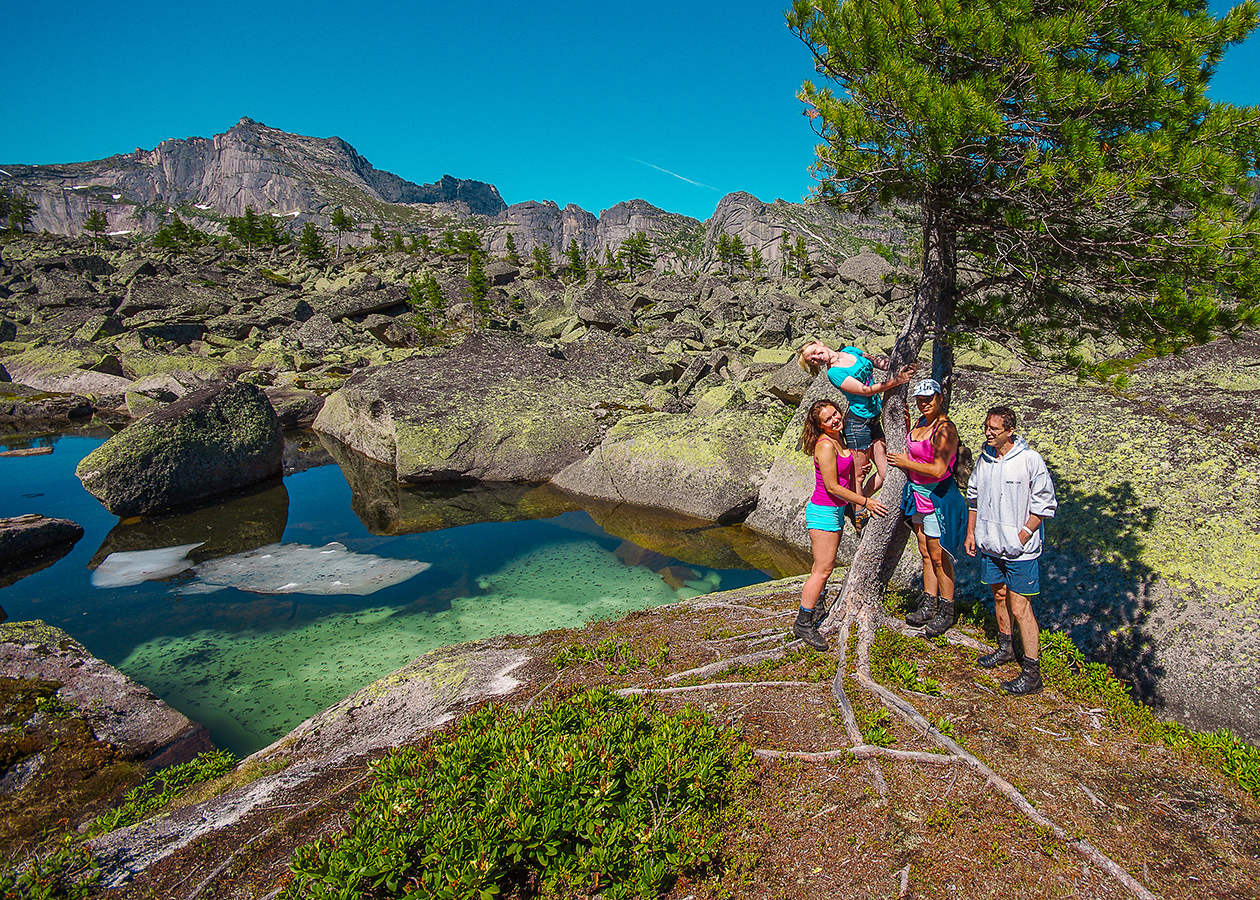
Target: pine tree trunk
x,y
884,538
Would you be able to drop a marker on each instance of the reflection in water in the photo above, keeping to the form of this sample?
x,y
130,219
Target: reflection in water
x,y
299,569
387,506
131,567
250,666
242,522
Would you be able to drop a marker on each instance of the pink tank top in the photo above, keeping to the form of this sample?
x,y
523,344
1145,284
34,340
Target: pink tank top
x,y
922,451
844,475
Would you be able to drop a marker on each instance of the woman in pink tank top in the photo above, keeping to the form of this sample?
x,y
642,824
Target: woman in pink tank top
x,y
931,451
824,513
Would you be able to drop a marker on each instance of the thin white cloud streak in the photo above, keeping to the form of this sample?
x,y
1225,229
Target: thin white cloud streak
x,y
668,172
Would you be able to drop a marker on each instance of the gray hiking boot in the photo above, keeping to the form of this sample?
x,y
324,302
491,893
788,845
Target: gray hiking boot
x,y
926,611
943,621
1003,654
1027,681
805,629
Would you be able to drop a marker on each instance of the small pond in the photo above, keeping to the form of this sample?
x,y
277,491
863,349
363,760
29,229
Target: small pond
x,y
459,563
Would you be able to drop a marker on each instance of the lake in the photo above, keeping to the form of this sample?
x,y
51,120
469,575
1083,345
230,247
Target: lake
x,y
444,564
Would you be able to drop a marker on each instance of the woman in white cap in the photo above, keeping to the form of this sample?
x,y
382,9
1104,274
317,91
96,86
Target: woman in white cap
x,y
937,511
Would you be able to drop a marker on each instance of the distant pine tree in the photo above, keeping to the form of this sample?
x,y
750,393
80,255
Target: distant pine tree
x,y
21,210
636,253
541,262
96,225
342,223
512,255
311,245
577,262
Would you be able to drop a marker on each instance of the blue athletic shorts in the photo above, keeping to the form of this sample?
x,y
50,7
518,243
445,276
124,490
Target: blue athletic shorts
x,y
931,523
1020,575
860,433
824,518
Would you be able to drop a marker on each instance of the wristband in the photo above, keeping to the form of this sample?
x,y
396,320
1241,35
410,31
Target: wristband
x,y
1024,528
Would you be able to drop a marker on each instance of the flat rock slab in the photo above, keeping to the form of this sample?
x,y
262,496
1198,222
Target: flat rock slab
x,y
22,537
119,711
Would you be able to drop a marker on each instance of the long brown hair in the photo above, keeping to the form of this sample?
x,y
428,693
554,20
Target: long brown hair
x,y
813,426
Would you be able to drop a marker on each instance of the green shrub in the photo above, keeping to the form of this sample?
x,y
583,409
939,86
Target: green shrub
x,y
590,794
891,662
1065,668
162,788
67,872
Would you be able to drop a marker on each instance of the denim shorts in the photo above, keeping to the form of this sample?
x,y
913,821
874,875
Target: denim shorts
x,y
1023,576
860,433
823,518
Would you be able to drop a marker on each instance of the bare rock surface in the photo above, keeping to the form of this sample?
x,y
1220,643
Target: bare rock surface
x,y
119,711
27,535
495,408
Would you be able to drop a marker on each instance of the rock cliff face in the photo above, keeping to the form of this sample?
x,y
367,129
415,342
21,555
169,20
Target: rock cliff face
x,y
288,175
301,179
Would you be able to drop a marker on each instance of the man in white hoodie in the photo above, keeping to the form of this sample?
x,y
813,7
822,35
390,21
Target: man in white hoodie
x,y
1009,494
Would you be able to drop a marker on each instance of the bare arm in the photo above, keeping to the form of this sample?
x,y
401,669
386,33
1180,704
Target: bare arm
x,y
851,385
944,446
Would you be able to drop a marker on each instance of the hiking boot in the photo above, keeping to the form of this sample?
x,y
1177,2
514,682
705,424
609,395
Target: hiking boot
x,y
820,614
1026,682
1003,654
805,629
943,621
926,611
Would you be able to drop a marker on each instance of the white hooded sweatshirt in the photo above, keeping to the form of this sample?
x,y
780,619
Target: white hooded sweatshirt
x,y
1002,492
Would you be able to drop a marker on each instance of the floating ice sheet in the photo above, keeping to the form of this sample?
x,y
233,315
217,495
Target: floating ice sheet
x,y
273,569
301,569
130,567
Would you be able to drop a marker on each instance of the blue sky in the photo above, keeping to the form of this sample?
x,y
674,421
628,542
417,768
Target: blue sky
x,y
676,103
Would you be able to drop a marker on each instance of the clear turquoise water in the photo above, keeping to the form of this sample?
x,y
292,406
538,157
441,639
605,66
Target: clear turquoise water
x,y
252,666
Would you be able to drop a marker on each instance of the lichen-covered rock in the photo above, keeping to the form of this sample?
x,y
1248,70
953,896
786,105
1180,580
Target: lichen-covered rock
x,y
494,408
20,404
25,536
708,467
119,711
209,442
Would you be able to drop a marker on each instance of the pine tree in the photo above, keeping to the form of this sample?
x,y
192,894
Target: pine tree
x,y
785,254
724,251
96,225
512,255
1065,165
577,262
21,211
396,242
801,256
738,253
342,223
478,286
636,252
756,262
378,236
311,245
435,298
542,264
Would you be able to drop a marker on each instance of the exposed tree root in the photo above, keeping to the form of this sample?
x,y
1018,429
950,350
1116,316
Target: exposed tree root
x,y
712,686
722,665
954,637
863,751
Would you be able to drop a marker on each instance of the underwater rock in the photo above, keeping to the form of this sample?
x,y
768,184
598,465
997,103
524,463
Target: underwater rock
x,y
387,506
210,442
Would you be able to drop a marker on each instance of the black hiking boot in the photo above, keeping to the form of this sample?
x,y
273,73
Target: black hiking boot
x,y
1026,682
1003,654
926,611
805,629
820,614
943,621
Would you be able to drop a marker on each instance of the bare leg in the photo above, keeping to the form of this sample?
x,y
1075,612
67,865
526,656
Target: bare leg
x,y
824,545
942,567
861,462
879,450
929,571
1001,607
1030,634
